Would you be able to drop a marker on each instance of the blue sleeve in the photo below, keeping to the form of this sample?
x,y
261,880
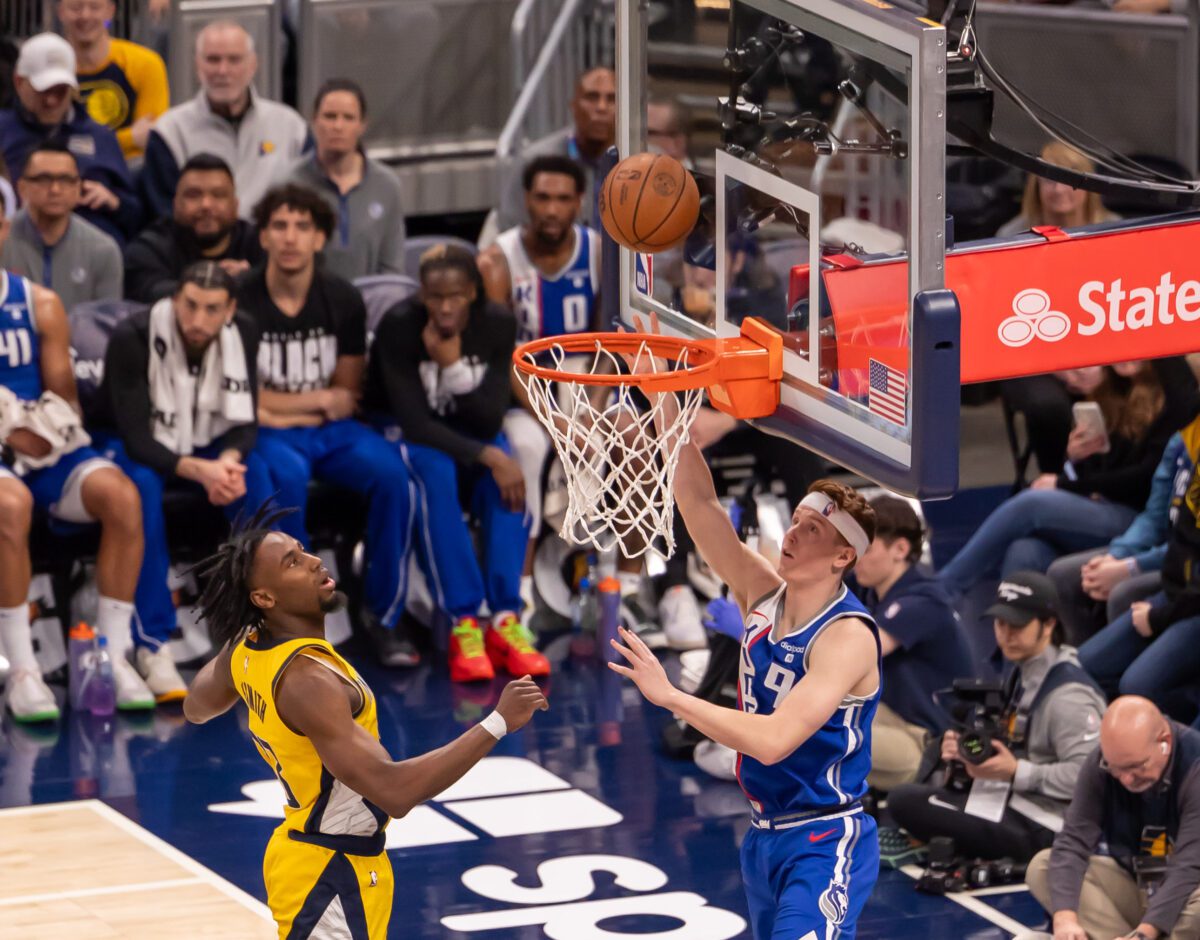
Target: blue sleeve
x,y
1151,560
912,620
1150,527
160,174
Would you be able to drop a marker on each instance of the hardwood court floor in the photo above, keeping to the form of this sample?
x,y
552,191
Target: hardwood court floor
x,y
82,870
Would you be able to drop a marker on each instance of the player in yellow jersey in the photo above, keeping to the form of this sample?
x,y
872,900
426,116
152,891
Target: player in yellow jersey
x,y
313,720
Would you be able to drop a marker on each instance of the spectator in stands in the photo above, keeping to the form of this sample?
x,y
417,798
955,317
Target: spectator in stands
x,y
1047,202
922,641
53,246
259,139
1045,400
364,194
1098,585
593,131
8,195
311,360
666,128
1054,709
204,225
45,110
1127,861
47,464
184,413
1099,492
123,85
1153,650
441,369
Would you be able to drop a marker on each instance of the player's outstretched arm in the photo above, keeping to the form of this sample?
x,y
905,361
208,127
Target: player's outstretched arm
x,y
312,701
842,659
211,692
748,575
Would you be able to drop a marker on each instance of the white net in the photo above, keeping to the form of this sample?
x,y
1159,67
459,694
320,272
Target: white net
x,y
618,447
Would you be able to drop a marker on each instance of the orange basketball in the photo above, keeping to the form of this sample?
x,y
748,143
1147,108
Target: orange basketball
x,y
649,202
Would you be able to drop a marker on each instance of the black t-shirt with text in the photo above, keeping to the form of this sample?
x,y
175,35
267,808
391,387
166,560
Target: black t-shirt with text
x,y
300,353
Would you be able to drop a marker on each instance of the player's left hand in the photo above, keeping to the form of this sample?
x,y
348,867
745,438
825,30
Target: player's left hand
x,y
1000,766
644,668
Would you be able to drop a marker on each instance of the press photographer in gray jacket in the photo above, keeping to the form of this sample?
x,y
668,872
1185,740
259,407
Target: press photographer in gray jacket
x,y
1050,715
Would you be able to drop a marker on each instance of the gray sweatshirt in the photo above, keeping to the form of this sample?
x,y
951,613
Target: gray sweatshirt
x,y
1062,732
85,264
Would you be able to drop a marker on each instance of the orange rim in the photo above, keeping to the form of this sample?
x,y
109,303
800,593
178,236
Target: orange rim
x,y
742,373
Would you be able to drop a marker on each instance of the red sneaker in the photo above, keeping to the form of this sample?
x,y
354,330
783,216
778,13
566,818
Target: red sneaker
x,y
468,661
510,647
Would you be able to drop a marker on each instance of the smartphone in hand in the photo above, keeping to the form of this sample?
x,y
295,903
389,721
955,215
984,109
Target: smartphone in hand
x,y
1087,415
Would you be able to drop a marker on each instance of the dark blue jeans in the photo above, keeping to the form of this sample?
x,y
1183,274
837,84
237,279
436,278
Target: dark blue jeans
x,y
1126,663
1029,531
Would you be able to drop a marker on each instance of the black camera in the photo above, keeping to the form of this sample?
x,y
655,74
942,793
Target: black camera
x,y
983,873
980,711
942,874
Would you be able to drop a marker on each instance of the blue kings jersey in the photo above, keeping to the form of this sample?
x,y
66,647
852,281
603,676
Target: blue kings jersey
x,y
563,303
20,362
830,768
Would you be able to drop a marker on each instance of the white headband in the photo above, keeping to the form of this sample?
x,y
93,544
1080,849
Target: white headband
x,y
841,520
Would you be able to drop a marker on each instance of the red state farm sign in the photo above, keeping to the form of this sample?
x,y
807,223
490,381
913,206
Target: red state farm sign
x,y
1059,304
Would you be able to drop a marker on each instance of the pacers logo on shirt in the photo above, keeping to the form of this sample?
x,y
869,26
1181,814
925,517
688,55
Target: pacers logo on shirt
x,y
107,103
266,147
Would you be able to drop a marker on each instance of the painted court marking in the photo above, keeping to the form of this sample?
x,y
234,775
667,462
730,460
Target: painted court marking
x,y
972,903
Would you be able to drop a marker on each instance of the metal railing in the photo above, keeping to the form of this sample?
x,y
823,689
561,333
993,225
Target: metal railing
x,y
552,42
1130,80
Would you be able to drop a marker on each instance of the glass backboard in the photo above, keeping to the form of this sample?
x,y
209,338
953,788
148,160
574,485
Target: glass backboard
x,y
816,131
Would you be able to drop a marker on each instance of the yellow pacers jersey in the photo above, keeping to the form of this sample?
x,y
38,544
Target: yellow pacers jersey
x,y
325,870
317,804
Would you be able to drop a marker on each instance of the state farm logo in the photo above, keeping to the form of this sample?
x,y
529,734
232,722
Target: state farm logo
x,y
1032,317
1109,307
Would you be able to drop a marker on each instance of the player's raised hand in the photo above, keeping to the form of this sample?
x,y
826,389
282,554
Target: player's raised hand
x,y
519,700
644,668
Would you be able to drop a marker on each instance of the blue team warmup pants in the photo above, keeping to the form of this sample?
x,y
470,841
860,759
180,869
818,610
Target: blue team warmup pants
x,y
349,454
154,610
458,584
812,881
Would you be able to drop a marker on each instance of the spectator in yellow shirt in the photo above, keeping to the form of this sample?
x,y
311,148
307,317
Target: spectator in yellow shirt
x,y
123,85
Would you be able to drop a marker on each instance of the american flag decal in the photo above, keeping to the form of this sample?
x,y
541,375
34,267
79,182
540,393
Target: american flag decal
x,y
887,394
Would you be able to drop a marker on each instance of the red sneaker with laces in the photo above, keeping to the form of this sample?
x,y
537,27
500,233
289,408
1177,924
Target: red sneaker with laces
x,y
468,660
510,647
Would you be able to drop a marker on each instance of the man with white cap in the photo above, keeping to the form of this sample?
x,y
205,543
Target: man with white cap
x,y
808,688
46,110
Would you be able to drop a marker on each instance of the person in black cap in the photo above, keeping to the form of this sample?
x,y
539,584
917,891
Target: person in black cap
x,y
1051,718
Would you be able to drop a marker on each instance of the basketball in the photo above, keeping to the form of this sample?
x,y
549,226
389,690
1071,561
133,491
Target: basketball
x,y
649,202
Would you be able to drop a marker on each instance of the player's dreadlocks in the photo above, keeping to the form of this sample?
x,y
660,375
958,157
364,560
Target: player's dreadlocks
x,y
225,601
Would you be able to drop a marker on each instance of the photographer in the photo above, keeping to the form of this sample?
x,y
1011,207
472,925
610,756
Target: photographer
x,y
1049,718
1127,861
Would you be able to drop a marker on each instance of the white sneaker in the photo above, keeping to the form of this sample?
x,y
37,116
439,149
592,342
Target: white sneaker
x,y
132,692
162,678
680,617
716,760
29,698
693,664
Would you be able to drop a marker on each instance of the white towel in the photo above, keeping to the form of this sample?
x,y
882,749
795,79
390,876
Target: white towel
x,y
190,411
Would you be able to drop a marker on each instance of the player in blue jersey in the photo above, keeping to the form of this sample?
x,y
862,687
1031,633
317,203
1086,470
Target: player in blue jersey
x,y
45,462
809,684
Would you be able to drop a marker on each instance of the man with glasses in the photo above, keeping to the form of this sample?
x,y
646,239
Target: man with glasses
x,y
1127,861
1050,721
46,109
53,246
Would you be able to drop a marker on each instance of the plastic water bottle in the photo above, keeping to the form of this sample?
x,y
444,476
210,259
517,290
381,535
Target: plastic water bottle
x,y
80,645
99,695
609,616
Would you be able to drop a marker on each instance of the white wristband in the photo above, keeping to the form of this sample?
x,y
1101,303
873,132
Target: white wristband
x,y
495,725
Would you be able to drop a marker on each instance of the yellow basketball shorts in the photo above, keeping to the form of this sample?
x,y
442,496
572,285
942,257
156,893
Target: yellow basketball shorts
x,y
315,892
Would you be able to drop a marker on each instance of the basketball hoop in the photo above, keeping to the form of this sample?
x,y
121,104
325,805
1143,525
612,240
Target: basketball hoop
x,y
619,450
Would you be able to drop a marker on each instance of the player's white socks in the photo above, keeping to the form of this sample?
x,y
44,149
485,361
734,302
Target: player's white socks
x,y
16,639
114,621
